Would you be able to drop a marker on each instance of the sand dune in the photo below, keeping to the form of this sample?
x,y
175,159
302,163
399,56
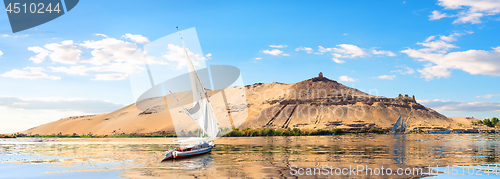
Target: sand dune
x,y
316,103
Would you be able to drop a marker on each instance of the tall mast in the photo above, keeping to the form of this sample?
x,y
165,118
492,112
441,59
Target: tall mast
x,y
190,64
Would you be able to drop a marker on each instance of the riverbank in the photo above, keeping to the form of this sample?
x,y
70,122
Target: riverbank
x,y
234,133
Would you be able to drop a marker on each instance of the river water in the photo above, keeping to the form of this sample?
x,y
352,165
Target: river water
x,y
347,156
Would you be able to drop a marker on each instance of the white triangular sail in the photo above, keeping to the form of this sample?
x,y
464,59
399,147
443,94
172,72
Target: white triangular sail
x,y
201,111
397,124
403,125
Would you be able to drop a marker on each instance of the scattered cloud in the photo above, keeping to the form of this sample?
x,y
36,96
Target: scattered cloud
x,y
440,61
15,36
41,54
108,50
336,60
258,58
387,77
469,11
65,52
430,38
460,106
209,56
1,53
344,51
278,46
110,77
383,52
306,49
176,54
346,79
344,34
488,96
407,70
110,56
60,104
436,15
452,37
29,73
275,52
97,34
136,38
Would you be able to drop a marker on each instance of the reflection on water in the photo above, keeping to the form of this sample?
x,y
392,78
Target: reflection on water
x,y
255,157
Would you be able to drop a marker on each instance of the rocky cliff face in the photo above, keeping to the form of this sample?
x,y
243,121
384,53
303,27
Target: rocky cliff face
x,y
321,103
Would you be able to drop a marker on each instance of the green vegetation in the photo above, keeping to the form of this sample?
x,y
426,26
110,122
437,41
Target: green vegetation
x,y
7,136
460,124
292,132
86,136
491,123
229,133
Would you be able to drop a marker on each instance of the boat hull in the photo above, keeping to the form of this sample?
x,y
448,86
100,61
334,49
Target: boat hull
x,y
177,154
439,132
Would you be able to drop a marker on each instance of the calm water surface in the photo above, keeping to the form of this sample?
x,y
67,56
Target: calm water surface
x,y
437,156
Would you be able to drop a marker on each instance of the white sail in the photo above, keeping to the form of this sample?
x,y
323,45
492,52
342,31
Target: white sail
x,y
403,125
201,111
397,124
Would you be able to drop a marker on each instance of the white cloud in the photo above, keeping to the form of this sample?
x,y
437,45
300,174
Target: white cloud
x,y
430,38
344,34
97,34
451,37
29,73
383,52
115,58
387,77
275,52
344,51
469,11
41,54
73,70
488,96
460,106
60,104
137,38
258,58
408,70
1,53
306,49
336,60
121,68
15,36
108,50
440,61
278,46
65,52
176,54
110,77
436,15
346,79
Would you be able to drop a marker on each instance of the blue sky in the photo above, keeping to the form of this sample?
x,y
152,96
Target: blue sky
x,y
443,52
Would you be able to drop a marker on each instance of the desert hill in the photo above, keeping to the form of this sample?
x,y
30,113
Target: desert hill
x,y
316,103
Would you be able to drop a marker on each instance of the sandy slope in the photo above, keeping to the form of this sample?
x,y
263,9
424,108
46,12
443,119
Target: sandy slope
x,y
317,103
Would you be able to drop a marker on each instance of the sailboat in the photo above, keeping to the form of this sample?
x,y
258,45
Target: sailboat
x,y
201,112
399,123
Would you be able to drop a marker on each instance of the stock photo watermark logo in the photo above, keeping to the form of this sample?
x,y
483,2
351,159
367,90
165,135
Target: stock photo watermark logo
x,y
174,81
26,14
